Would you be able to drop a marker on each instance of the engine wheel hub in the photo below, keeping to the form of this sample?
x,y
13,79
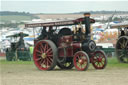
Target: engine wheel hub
x,y
81,61
43,55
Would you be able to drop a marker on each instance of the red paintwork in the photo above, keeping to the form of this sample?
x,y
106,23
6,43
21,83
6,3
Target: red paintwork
x,y
69,52
65,42
60,52
80,61
98,60
66,39
38,60
76,45
70,46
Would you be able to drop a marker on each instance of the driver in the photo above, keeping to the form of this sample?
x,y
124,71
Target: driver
x,y
43,34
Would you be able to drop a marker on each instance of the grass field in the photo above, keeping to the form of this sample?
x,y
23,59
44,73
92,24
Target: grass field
x,y
112,62
14,17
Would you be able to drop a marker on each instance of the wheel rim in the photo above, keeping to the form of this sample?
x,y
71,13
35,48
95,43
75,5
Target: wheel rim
x,y
43,55
122,49
81,61
99,60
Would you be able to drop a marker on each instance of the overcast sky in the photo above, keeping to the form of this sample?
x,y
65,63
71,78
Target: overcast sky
x,y
63,0
69,6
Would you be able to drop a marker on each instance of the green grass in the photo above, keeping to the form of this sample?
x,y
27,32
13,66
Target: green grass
x,y
14,17
16,62
112,62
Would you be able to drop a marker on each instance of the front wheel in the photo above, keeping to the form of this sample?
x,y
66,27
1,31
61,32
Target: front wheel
x,y
81,61
99,60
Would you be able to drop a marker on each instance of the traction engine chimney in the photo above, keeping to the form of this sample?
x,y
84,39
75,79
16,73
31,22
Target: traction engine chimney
x,y
87,24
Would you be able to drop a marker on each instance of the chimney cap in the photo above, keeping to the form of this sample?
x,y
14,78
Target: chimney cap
x,y
87,14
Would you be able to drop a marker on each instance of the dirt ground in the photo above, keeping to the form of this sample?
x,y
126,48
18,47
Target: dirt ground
x,y
29,75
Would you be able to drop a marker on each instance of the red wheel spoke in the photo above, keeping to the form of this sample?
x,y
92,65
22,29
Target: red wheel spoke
x,y
38,51
101,58
38,59
45,47
46,63
85,63
38,54
94,60
42,60
80,66
48,50
85,60
100,55
102,63
97,63
50,55
96,56
41,47
50,59
78,57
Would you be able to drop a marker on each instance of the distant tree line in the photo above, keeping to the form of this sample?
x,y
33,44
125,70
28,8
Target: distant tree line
x,y
8,22
102,12
8,13
14,13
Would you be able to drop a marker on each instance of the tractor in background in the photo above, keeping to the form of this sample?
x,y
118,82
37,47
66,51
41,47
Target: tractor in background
x,y
17,50
122,42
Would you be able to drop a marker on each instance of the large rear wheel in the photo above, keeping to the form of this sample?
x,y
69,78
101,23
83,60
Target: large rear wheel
x,y
122,49
45,53
10,55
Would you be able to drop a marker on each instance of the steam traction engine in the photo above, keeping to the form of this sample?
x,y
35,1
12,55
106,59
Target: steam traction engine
x,y
17,49
122,42
68,47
